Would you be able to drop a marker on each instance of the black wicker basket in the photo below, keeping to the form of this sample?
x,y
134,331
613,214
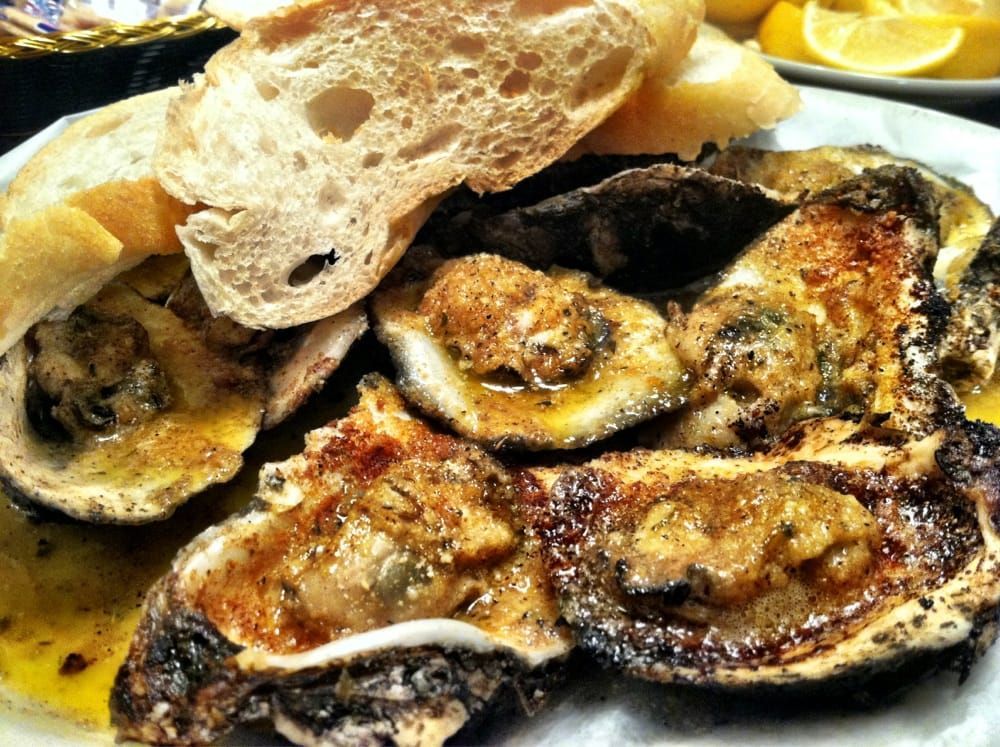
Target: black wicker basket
x,y
48,76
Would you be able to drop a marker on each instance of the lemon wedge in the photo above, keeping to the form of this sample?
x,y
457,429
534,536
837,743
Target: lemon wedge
x,y
780,33
884,45
979,55
939,7
735,11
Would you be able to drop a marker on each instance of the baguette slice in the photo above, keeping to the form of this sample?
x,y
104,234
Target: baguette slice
x,y
83,209
722,90
236,13
114,143
322,138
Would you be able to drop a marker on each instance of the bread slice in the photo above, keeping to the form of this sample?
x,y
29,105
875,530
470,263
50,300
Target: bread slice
x,y
83,209
722,90
322,138
114,143
43,258
236,13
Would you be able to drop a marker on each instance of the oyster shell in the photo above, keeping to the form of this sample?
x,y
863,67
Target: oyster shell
x,y
971,341
644,229
964,218
312,355
834,560
120,435
832,310
383,583
513,357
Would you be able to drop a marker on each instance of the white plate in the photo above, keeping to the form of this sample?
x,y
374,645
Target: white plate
x,y
605,710
925,90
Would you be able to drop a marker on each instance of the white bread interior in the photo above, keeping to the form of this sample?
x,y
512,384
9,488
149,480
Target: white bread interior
x,y
322,138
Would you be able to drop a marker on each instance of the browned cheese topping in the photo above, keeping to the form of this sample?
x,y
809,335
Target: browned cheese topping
x,y
499,316
413,546
392,521
95,372
826,313
744,353
724,542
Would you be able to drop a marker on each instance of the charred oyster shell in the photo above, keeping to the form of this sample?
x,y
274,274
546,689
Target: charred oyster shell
x,y
971,341
643,229
797,174
384,583
515,358
832,560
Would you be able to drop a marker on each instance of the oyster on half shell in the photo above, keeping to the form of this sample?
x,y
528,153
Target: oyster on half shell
x,y
832,310
121,412
513,357
384,584
837,560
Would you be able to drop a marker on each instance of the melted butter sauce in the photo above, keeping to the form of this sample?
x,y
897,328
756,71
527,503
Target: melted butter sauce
x,y
71,593
70,596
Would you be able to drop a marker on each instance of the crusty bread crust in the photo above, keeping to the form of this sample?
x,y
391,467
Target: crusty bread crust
x,y
137,212
114,143
722,90
83,209
236,13
44,259
323,137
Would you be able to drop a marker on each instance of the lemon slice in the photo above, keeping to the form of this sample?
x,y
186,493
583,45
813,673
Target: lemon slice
x,y
979,55
780,33
884,45
735,11
939,7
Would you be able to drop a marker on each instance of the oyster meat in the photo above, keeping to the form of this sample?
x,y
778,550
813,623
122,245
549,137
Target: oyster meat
x,y
837,560
964,267
832,310
514,357
384,584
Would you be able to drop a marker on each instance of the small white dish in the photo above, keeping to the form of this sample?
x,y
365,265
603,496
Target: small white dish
x,y
926,90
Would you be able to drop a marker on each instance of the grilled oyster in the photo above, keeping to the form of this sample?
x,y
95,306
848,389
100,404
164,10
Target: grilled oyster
x,y
514,357
120,413
836,560
965,265
971,341
382,585
832,310
964,218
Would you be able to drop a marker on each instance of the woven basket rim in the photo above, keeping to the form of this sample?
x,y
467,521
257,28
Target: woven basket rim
x,y
107,35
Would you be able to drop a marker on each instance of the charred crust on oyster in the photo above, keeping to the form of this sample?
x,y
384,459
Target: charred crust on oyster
x,y
887,189
929,600
384,580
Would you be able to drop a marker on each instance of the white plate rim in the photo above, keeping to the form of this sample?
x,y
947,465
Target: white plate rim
x,y
917,88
